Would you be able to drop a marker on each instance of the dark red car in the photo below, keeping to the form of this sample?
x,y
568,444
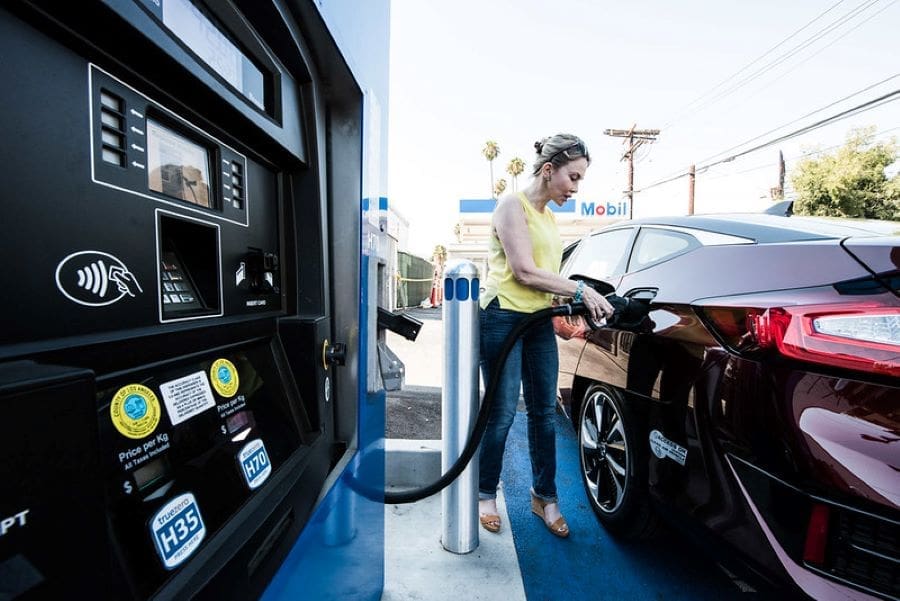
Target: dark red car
x,y
759,403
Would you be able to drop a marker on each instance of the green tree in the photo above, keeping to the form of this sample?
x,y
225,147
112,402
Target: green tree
x,y
515,168
490,151
851,182
499,187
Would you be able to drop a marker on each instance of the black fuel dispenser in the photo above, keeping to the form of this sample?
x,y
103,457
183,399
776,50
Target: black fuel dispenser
x,y
173,175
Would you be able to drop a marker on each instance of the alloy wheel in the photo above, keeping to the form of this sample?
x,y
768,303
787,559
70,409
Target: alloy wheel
x,y
604,451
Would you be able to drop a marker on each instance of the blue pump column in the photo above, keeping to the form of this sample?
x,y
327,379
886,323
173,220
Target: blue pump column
x,y
340,554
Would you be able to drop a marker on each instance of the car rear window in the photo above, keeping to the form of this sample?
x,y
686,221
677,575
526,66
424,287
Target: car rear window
x,y
655,245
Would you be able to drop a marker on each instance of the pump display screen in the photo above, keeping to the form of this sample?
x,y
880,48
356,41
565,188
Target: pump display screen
x,y
176,166
200,35
151,472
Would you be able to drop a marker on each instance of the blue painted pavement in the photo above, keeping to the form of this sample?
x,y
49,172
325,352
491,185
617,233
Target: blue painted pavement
x,y
591,564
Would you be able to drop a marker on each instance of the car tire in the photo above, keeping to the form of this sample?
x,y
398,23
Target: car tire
x,y
613,459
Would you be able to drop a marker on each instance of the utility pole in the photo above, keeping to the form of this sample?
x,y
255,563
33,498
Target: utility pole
x,y
633,140
780,175
777,192
692,177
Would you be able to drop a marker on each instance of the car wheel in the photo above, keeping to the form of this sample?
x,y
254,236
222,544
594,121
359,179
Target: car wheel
x,y
613,459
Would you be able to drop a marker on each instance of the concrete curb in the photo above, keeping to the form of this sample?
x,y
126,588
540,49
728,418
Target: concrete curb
x,y
411,463
416,566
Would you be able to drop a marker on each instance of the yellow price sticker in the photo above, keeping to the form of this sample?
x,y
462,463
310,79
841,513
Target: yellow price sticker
x,y
224,377
135,411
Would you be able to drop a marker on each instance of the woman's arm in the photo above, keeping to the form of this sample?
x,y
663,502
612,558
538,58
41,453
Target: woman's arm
x,y
512,230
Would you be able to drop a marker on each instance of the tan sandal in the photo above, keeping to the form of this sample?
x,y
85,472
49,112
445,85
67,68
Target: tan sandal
x,y
560,528
490,522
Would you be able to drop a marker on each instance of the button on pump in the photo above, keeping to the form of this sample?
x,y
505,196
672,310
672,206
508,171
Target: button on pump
x,y
237,185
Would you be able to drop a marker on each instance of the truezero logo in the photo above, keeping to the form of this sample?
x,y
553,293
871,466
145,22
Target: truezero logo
x,y
177,530
255,463
619,209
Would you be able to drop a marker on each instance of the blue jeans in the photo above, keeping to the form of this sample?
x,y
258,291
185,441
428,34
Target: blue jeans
x,y
533,363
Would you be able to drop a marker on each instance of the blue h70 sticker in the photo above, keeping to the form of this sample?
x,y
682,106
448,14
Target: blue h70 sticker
x,y
177,530
255,463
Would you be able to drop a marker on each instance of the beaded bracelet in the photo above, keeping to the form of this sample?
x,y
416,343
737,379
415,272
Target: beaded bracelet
x,y
579,290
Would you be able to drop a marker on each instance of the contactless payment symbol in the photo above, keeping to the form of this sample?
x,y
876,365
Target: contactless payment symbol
x,y
95,278
177,530
224,377
134,411
255,463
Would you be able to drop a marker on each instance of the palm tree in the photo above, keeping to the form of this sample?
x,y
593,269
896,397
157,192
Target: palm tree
x,y
490,151
499,187
515,168
439,254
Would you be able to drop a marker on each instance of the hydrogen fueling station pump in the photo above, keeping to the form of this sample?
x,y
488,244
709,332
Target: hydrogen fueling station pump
x,y
191,404
187,308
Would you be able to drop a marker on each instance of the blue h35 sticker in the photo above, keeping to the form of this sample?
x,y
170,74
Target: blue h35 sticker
x,y
177,530
255,463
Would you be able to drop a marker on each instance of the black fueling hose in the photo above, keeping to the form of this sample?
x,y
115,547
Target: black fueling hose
x,y
629,314
416,494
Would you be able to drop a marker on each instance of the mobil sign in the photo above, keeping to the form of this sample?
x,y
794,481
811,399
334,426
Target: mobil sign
x,y
600,209
573,207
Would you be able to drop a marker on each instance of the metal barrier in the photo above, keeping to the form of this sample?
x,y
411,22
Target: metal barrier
x,y
459,404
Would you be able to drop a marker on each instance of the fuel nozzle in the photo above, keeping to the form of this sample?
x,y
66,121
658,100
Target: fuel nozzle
x,y
628,313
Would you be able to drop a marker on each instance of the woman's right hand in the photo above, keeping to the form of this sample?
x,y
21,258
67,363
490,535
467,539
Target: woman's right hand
x,y
597,305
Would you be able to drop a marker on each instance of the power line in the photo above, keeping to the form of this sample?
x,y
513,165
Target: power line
x,y
881,135
796,49
817,52
806,43
852,13
750,64
866,106
833,118
810,114
865,5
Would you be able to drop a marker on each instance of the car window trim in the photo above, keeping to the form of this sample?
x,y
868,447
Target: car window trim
x,y
705,237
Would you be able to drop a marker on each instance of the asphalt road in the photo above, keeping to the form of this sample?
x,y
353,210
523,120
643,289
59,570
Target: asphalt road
x,y
414,412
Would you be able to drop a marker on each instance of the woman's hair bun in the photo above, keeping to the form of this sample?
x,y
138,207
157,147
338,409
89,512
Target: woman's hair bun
x,y
539,146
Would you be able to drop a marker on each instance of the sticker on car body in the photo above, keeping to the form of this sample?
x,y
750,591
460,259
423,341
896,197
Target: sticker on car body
x,y
662,447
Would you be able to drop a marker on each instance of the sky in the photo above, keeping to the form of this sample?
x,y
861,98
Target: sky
x,y
711,75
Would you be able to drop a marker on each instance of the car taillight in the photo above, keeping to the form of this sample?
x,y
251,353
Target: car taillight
x,y
852,336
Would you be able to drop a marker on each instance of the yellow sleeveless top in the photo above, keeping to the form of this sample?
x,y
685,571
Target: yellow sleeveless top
x,y
546,248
